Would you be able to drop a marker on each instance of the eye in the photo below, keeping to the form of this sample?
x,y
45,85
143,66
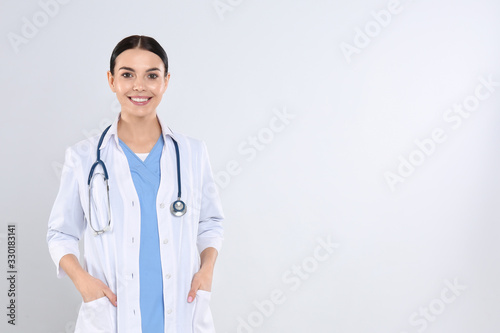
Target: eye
x,y
127,75
153,76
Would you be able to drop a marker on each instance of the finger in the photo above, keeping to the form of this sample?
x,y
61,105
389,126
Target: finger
x,y
111,296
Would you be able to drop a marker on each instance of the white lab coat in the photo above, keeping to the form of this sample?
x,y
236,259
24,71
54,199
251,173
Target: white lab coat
x,y
113,257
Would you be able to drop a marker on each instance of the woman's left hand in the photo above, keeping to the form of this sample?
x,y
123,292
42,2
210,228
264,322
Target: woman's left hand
x,y
201,280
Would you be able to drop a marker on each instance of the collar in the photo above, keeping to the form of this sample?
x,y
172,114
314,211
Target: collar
x,y
113,131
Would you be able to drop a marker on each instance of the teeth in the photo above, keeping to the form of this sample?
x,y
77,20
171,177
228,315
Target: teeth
x,y
139,99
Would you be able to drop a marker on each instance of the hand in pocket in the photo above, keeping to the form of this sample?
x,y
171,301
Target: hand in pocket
x,y
92,289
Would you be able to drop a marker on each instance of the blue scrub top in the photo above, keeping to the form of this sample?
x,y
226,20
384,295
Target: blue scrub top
x,y
146,177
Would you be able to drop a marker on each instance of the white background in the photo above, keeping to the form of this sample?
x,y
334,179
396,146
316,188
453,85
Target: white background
x,y
321,176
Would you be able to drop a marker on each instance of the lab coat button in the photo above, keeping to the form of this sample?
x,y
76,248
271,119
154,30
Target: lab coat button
x,y
169,311
162,205
167,276
165,241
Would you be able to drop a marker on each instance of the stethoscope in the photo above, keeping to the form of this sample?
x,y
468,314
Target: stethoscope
x,y
177,208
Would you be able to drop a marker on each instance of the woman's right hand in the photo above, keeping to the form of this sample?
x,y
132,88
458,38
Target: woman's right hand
x,y
92,288
89,287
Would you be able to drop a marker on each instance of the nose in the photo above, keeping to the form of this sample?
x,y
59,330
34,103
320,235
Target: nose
x,y
138,84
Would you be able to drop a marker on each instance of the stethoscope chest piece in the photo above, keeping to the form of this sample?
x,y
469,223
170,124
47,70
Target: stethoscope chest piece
x,y
178,207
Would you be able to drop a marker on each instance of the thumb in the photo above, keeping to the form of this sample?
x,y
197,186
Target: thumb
x,y
111,296
192,293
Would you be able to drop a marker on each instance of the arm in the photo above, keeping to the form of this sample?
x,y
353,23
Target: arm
x,y
66,226
203,278
210,231
66,221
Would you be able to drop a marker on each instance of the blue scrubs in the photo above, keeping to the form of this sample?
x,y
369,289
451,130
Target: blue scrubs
x,y
146,177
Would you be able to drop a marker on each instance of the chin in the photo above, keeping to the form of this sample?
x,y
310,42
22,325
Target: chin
x,y
140,113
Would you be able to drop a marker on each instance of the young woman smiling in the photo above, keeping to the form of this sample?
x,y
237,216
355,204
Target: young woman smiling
x,y
146,268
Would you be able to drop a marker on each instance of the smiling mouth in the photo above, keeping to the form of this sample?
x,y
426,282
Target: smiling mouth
x,y
140,99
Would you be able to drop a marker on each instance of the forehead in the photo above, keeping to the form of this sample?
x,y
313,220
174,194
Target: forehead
x,y
139,59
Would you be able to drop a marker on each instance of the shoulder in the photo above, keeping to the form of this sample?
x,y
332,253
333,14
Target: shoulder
x,y
189,143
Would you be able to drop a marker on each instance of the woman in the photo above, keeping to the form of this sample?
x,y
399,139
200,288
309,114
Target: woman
x,y
147,266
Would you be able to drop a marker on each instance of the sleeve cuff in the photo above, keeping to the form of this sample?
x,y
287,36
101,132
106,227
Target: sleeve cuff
x,y
204,242
60,250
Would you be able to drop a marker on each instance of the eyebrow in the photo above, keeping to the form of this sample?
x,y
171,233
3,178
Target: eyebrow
x,y
132,70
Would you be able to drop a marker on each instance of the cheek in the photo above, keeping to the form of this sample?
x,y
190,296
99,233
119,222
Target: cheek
x,y
157,89
122,86
121,91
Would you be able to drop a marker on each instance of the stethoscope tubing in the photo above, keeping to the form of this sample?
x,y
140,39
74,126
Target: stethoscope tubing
x,y
177,208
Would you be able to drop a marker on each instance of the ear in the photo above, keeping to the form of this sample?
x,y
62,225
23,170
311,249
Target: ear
x,y
111,81
167,78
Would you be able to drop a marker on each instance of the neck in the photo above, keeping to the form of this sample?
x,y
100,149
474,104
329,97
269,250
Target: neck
x,y
138,130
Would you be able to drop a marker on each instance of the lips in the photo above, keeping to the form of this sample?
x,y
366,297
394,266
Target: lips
x,y
139,100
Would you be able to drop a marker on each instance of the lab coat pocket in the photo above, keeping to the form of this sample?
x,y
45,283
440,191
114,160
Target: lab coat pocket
x,y
98,316
202,317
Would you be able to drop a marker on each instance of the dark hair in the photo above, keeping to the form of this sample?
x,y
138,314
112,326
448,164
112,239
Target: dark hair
x,y
138,42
